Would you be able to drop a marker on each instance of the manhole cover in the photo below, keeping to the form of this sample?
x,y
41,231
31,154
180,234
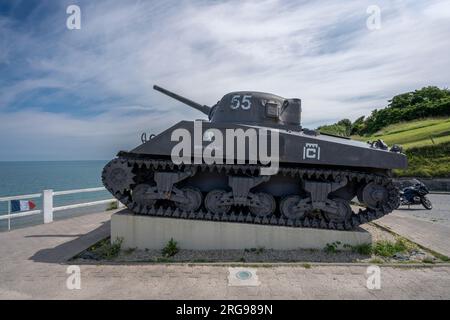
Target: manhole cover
x,y
243,275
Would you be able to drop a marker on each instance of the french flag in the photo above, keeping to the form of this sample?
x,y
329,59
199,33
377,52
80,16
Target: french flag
x,y
22,205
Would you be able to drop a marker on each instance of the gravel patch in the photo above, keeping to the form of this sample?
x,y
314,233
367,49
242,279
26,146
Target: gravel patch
x,y
248,255
377,233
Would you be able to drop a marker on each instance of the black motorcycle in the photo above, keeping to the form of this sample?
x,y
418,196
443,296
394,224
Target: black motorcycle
x,y
415,194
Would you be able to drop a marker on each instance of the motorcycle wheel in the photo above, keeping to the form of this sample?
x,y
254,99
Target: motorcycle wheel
x,y
426,203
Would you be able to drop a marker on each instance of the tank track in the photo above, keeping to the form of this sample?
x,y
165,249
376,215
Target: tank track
x,y
238,216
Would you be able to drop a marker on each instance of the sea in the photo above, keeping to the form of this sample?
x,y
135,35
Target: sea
x,y
28,177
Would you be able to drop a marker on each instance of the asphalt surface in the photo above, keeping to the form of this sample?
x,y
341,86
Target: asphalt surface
x,y
429,228
439,214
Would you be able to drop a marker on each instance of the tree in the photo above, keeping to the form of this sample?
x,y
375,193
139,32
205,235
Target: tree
x,y
358,126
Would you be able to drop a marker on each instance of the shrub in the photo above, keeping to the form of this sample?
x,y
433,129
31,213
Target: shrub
x,y
332,247
112,206
388,249
107,250
170,249
363,249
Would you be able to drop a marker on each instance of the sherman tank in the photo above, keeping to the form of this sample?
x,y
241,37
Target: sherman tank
x,y
311,180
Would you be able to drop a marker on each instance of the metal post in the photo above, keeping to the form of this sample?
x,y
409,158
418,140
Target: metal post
x,y
9,215
47,205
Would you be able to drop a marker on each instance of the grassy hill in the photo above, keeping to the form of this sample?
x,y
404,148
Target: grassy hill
x,y
426,143
413,134
427,161
419,121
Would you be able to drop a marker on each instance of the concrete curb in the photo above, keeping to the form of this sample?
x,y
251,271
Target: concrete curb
x,y
328,264
270,264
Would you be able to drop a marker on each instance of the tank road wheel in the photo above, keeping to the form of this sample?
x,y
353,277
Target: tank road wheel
x,y
193,198
342,214
267,205
118,176
212,202
141,198
374,195
290,209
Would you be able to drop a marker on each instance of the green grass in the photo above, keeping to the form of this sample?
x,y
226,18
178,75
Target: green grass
x,y
413,134
105,249
363,249
387,249
428,161
426,143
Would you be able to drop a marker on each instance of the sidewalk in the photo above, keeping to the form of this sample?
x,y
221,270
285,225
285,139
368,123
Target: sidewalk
x,y
32,267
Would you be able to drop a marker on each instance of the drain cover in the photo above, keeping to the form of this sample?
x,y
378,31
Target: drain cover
x,y
243,275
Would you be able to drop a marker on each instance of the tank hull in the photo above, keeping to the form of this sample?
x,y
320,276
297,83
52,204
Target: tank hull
x,y
295,147
316,178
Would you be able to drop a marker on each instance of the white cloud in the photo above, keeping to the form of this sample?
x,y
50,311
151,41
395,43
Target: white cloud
x,y
320,52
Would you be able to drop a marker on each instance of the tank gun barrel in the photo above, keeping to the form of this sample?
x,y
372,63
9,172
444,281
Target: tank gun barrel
x,y
202,108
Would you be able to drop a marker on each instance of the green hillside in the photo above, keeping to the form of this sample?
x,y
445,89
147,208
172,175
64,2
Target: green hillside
x,y
417,133
419,121
426,143
427,161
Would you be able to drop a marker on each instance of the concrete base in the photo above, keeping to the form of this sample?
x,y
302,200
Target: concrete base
x,y
146,232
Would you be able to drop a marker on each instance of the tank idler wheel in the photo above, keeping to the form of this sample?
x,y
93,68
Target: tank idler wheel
x,y
290,209
343,213
193,198
374,195
212,202
140,195
267,205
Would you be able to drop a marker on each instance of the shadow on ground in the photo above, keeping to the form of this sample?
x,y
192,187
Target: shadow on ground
x,y
67,250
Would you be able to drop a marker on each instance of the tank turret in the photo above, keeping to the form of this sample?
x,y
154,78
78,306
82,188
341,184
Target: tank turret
x,y
249,107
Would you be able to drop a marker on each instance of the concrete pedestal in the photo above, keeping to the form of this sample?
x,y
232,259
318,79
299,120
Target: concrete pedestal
x,y
139,231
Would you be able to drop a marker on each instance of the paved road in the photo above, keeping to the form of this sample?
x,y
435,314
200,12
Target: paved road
x,y
440,213
429,228
31,267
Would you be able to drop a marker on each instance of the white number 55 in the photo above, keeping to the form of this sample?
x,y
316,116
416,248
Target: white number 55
x,y
244,102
